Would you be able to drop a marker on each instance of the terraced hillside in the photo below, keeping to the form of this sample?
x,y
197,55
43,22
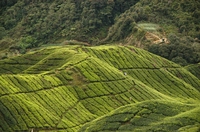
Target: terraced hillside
x,y
194,69
103,88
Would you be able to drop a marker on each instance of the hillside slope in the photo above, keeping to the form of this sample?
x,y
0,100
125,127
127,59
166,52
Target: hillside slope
x,y
194,69
166,28
149,116
78,88
47,20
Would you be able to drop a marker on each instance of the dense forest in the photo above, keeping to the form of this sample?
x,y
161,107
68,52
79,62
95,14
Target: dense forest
x,y
27,24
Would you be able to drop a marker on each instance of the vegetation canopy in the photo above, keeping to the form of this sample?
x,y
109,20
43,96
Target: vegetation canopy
x,y
173,25
102,88
99,65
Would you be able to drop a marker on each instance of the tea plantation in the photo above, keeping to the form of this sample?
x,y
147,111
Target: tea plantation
x,y
102,88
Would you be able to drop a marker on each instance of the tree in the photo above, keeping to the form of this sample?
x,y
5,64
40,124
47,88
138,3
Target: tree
x,y
179,60
2,32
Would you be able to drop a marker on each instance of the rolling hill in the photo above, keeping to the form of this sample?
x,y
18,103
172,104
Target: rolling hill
x,y
101,88
167,28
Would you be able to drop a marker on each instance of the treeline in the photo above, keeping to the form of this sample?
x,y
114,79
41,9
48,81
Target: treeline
x,y
183,50
86,20
30,23
179,24
179,17
47,20
5,3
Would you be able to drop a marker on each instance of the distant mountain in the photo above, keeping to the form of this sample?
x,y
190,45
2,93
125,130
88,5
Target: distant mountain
x,y
97,88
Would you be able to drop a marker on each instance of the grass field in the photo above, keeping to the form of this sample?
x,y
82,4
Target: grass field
x,y
102,88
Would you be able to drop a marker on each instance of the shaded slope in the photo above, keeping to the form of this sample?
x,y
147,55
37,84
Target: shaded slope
x,y
149,116
64,87
194,69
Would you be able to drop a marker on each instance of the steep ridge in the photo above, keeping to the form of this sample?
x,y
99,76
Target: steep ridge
x,y
65,87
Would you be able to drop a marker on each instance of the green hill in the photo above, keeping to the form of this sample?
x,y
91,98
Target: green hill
x,y
102,88
194,69
166,28
149,116
46,20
